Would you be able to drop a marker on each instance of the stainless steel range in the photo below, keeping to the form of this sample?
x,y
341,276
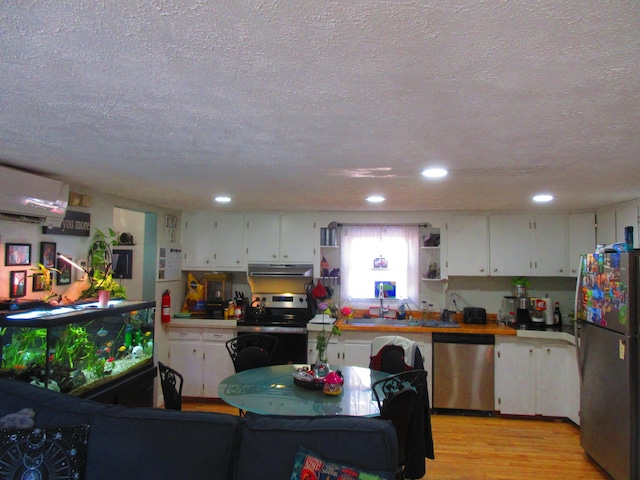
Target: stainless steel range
x,y
283,315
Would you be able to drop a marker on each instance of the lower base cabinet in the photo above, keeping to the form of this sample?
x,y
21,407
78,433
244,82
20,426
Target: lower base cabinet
x,y
201,356
536,377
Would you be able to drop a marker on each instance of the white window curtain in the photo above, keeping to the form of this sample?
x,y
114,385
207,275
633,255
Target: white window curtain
x,y
362,245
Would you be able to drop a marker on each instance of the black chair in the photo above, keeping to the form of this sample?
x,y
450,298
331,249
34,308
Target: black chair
x,y
251,350
171,382
388,354
401,399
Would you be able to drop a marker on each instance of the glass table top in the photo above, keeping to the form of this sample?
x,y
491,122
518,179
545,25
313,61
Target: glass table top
x,y
270,390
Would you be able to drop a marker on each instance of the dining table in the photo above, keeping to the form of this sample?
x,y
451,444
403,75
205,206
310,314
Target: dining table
x,y
272,390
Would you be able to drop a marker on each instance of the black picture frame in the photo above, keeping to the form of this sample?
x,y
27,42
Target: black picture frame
x,y
17,254
64,276
17,283
37,285
48,254
122,263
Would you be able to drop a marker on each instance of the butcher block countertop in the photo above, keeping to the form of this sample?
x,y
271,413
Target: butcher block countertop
x,y
490,328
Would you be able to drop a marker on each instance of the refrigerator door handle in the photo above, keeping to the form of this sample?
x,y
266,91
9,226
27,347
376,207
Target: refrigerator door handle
x,y
578,331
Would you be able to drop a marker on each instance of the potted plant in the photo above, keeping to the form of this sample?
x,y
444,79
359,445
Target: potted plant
x,y
101,268
46,280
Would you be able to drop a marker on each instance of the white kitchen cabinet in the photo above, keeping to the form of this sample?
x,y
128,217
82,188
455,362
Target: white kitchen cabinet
x,y
228,242
627,216
606,227
201,357
185,356
197,240
217,362
532,377
467,238
573,385
213,241
297,238
528,245
549,245
514,377
509,245
286,238
582,239
551,378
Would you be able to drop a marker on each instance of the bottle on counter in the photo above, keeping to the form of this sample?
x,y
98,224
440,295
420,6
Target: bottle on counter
x,y
557,316
423,309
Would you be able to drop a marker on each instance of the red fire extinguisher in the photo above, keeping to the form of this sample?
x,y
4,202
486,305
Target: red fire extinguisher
x,y
166,307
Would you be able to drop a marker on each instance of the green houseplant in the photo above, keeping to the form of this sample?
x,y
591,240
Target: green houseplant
x,y
101,267
46,280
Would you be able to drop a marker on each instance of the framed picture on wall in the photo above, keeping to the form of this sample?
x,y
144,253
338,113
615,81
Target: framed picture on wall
x,y
122,263
17,254
37,285
18,283
48,254
64,276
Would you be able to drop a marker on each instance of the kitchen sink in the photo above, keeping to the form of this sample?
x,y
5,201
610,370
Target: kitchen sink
x,y
392,322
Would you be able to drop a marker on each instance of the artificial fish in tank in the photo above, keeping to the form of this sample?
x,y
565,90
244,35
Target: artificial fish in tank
x,y
102,332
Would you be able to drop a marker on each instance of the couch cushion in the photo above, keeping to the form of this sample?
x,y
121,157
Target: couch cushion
x,y
140,443
271,441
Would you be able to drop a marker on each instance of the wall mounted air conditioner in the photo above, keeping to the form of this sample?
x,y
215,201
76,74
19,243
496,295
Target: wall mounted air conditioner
x,y
29,198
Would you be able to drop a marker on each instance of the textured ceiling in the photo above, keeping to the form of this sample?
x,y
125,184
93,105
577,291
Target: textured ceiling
x,y
313,105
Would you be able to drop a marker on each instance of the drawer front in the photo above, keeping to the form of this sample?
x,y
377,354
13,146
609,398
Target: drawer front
x,y
209,335
184,334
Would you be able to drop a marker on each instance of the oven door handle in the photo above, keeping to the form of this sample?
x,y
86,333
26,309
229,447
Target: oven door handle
x,y
270,329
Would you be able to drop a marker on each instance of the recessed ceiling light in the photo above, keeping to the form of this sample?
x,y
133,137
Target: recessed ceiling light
x,y
435,172
542,198
375,199
222,199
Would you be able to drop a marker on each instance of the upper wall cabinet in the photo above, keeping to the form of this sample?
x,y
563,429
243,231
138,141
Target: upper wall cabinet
x,y
228,242
467,238
582,239
197,240
213,241
528,245
628,216
286,238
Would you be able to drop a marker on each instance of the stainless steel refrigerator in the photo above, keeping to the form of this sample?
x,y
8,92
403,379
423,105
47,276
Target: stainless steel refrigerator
x,y
607,339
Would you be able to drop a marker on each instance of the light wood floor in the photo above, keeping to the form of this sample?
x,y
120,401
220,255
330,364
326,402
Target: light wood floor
x,y
468,447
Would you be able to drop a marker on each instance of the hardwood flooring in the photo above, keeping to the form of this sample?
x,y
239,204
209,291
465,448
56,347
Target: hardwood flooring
x,y
469,447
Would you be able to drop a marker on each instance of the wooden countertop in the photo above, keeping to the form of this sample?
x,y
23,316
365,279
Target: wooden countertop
x,y
490,328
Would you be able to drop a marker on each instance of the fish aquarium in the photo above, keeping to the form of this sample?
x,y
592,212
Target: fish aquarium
x,y
78,349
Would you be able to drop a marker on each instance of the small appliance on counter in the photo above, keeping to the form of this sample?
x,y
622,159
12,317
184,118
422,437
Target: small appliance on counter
x,y
516,310
474,315
217,290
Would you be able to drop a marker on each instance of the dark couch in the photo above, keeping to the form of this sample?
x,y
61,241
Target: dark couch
x,y
151,443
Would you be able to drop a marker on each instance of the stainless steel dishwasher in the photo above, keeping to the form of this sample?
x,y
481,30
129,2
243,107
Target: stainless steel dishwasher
x,y
463,371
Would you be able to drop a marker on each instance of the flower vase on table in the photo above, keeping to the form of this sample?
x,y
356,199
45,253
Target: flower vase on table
x,y
321,368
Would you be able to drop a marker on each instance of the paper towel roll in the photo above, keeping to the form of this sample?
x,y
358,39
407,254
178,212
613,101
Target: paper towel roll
x,y
548,312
